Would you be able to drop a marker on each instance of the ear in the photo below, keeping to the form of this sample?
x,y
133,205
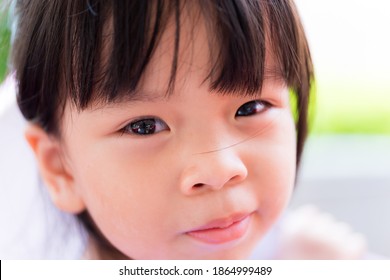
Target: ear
x,y
54,171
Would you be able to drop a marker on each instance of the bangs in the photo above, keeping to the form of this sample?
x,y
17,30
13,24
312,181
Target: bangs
x,y
128,33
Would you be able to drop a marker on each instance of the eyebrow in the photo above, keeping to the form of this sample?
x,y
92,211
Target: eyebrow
x,y
141,95
273,73
130,98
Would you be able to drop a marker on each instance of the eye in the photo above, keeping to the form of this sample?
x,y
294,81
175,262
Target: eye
x,y
252,108
147,126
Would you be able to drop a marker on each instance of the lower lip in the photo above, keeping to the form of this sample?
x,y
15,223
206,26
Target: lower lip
x,y
222,235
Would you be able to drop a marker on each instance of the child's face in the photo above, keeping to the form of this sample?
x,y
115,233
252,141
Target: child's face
x,y
209,179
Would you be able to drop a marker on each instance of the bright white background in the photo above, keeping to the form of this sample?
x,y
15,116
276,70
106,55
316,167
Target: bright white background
x,y
349,175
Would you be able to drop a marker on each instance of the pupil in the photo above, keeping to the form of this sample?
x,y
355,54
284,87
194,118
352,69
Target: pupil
x,y
250,108
144,127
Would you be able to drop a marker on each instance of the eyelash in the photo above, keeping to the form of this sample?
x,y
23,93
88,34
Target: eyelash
x,y
147,126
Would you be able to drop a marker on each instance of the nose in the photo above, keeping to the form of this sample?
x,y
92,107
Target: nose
x,y
212,171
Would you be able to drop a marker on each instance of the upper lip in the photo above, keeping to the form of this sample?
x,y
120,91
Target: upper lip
x,y
222,222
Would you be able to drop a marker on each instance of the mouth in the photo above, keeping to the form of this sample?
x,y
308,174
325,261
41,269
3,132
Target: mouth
x,y
222,230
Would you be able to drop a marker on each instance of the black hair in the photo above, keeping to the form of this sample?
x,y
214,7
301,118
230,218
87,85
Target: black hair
x,y
58,51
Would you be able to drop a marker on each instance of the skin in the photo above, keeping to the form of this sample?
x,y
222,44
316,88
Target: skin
x,y
203,163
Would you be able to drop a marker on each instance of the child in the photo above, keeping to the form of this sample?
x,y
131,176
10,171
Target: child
x,y
165,126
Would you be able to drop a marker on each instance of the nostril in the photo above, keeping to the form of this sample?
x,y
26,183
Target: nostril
x,y
198,185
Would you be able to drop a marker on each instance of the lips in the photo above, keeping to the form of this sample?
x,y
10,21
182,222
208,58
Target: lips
x,y
222,230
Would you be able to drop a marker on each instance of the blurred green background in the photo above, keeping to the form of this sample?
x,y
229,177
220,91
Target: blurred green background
x,y
350,46
352,87
5,35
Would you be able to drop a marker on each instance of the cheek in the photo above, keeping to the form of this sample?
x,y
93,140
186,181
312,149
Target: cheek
x,y
273,168
119,188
